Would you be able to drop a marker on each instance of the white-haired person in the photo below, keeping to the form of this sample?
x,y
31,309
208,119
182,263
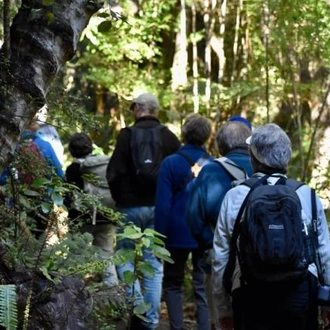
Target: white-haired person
x,y
253,304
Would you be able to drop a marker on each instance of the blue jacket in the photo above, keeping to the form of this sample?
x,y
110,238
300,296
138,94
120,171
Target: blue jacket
x,y
46,150
206,197
172,194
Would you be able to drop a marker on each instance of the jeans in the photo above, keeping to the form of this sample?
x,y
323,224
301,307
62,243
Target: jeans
x,y
103,237
148,289
172,285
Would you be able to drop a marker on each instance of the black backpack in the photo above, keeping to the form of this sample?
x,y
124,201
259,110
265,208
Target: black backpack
x,y
147,152
271,239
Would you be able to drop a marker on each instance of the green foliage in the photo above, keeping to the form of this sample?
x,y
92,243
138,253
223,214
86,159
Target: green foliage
x,y
8,307
145,240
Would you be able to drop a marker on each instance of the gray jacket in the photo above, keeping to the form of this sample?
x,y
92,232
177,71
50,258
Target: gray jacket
x,y
223,232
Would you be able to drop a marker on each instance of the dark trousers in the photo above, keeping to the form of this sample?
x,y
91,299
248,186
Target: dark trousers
x,y
172,286
276,307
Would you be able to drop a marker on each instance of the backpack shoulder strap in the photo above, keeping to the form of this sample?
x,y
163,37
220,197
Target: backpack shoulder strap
x,y
236,171
230,267
294,184
316,241
186,157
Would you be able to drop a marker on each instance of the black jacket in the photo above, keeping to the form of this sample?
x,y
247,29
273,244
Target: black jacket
x,y
121,172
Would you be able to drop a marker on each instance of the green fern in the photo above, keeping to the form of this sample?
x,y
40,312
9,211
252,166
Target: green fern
x,y
8,307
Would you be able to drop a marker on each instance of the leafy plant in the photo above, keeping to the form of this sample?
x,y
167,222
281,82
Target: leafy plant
x,y
8,307
148,239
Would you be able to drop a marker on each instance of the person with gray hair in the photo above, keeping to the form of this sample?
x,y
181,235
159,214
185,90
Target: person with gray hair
x,y
135,197
210,188
278,305
173,187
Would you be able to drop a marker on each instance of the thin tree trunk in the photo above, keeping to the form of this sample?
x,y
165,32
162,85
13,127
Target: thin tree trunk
x,y
266,44
207,55
235,43
195,59
180,60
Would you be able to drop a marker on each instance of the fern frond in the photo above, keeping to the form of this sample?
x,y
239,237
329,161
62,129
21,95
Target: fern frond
x,y
8,307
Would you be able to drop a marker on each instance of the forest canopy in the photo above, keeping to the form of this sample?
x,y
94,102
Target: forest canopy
x,y
266,60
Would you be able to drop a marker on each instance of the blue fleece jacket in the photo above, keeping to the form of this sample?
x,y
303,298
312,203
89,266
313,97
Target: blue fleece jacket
x,y
207,194
172,194
46,150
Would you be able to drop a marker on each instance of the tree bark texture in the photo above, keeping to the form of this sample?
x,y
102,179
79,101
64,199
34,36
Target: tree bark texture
x,y
42,39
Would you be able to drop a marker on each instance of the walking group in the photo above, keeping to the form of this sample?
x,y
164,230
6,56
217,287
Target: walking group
x,y
257,242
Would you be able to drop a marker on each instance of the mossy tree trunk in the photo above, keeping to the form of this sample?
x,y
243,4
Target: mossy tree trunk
x,y
43,37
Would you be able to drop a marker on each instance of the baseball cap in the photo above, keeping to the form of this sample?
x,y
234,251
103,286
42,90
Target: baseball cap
x,y
146,99
270,145
242,120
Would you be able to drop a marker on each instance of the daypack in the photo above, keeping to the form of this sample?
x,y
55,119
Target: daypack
x,y
93,169
30,163
147,152
270,240
237,172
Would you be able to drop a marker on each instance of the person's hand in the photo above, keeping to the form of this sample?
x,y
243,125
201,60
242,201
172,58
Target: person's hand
x,y
325,314
226,323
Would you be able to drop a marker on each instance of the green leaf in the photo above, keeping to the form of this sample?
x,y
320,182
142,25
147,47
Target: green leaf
x,y
57,199
29,192
104,27
50,17
146,269
40,182
152,232
146,242
129,277
126,254
46,207
47,2
8,307
162,253
141,308
158,241
45,273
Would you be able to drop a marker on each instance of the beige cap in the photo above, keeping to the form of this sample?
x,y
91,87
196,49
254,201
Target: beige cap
x,y
147,99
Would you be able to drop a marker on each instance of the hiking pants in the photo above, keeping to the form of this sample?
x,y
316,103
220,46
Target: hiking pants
x,y
173,283
276,306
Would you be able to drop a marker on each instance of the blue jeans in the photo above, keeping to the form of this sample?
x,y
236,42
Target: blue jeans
x,y
149,290
173,282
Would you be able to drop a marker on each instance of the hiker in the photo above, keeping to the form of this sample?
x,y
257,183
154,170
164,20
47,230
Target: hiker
x,y
45,147
209,189
49,133
34,159
173,187
263,276
30,140
132,175
102,229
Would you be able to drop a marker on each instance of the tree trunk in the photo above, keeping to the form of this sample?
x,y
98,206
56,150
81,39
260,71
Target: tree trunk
x,y
180,60
42,39
195,58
